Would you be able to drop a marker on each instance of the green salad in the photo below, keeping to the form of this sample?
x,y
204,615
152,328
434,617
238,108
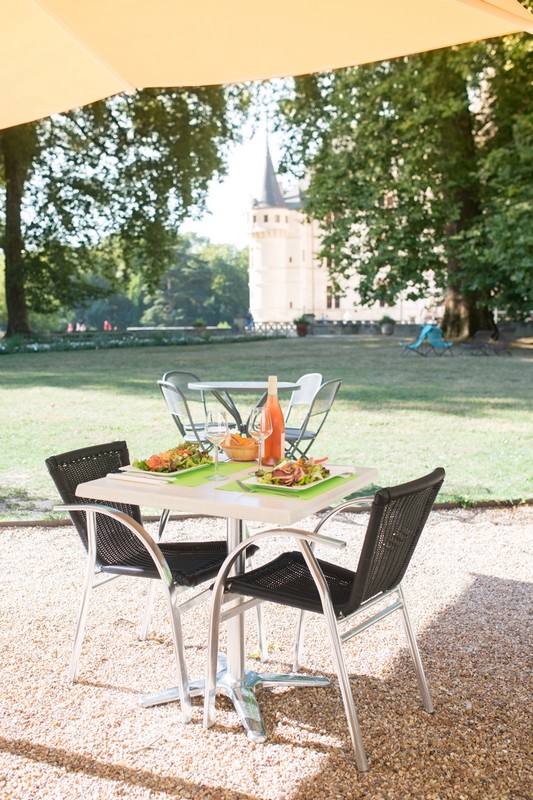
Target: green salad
x,y
184,456
294,473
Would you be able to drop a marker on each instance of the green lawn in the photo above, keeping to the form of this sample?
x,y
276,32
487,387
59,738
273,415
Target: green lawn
x,y
404,415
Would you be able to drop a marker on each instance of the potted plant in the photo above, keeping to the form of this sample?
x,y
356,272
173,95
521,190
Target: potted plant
x,y
302,325
387,325
200,324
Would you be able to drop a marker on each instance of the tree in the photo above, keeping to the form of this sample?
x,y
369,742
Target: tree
x,y
207,281
125,170
419,170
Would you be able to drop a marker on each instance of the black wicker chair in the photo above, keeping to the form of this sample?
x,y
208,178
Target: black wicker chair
x,y
117,544
298,440
298,579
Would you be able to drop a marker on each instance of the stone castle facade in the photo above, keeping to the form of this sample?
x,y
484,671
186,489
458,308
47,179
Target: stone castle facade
x,y
287,278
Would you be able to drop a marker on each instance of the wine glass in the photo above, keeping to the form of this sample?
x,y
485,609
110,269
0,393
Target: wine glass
x,y
260,427
216,430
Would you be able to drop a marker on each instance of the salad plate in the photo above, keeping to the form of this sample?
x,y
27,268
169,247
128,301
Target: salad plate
x,y
129,469
259,484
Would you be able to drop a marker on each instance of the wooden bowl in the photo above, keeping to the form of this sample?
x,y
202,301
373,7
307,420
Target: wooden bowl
x,y
248,452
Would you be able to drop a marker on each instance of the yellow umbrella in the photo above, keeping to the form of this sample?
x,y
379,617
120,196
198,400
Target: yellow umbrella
x,y
60,54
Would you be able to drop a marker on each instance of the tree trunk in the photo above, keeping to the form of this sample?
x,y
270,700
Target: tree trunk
x,y
464,312
18,147
463,315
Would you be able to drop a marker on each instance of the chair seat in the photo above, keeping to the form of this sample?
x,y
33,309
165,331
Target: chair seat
x,y
191,563
292,434
287,580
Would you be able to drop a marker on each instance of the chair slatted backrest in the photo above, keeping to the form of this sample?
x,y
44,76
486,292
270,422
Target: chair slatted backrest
x,y
323,401
302,398
195,400
177,405
397,519
68,470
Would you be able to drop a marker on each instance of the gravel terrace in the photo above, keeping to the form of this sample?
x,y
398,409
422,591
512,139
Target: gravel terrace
x,y
469,599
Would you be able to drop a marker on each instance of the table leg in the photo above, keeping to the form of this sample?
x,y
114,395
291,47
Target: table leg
x,y
225,400
233,680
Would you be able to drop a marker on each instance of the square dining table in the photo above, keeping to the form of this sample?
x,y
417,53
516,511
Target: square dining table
x,y
195,492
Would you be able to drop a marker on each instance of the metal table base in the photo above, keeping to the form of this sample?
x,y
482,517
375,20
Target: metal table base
x,y
240,692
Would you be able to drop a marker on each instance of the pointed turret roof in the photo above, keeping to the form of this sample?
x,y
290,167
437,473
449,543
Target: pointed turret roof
x,y
270,195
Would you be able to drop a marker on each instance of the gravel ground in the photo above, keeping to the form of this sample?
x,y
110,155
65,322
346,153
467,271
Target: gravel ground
x,y
468,593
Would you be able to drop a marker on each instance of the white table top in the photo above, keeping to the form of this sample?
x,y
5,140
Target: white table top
x,y
206,498
240,386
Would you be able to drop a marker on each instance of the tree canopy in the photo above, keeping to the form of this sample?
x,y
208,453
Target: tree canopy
x,y
124,170
421,170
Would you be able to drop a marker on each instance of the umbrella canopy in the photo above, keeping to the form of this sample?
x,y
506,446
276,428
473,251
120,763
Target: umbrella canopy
x,y
59,54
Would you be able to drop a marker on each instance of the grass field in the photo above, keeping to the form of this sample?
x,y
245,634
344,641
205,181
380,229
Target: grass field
x,y
404,415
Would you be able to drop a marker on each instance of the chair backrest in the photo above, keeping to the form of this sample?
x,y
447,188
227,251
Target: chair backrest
x,y
320,407
481,338
436,339
195,400
181,413
397,518
302,398
506,334
424,330
69,469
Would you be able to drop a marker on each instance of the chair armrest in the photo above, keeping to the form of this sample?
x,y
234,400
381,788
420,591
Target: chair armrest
x,y
91,509
346,506
295,533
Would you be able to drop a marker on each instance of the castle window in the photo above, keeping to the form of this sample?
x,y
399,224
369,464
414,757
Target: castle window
x,y
290,259
303,255
333,300
286,219
255,217
278,218
265,218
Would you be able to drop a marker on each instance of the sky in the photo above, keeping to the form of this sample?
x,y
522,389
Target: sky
x,y
224,221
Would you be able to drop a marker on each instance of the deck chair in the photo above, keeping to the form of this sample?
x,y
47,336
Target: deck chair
x,y
298,440
437,344
299,580
502,344
479,344
118,545
420,346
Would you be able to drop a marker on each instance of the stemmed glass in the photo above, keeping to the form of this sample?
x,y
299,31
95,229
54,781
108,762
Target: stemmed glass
x,y
216,430
260,427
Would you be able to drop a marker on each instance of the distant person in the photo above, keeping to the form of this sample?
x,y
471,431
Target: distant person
x,y
249,322
107,325
70,327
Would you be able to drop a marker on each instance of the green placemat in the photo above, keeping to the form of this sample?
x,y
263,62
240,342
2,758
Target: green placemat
x,y
313,491
199,476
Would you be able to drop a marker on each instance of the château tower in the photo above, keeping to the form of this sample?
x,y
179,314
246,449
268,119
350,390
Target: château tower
x,y
284,281
288,279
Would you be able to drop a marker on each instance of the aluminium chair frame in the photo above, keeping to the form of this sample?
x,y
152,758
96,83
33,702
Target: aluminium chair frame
x,y
303,438
190,430
395,602
171,590
438,346
310,379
